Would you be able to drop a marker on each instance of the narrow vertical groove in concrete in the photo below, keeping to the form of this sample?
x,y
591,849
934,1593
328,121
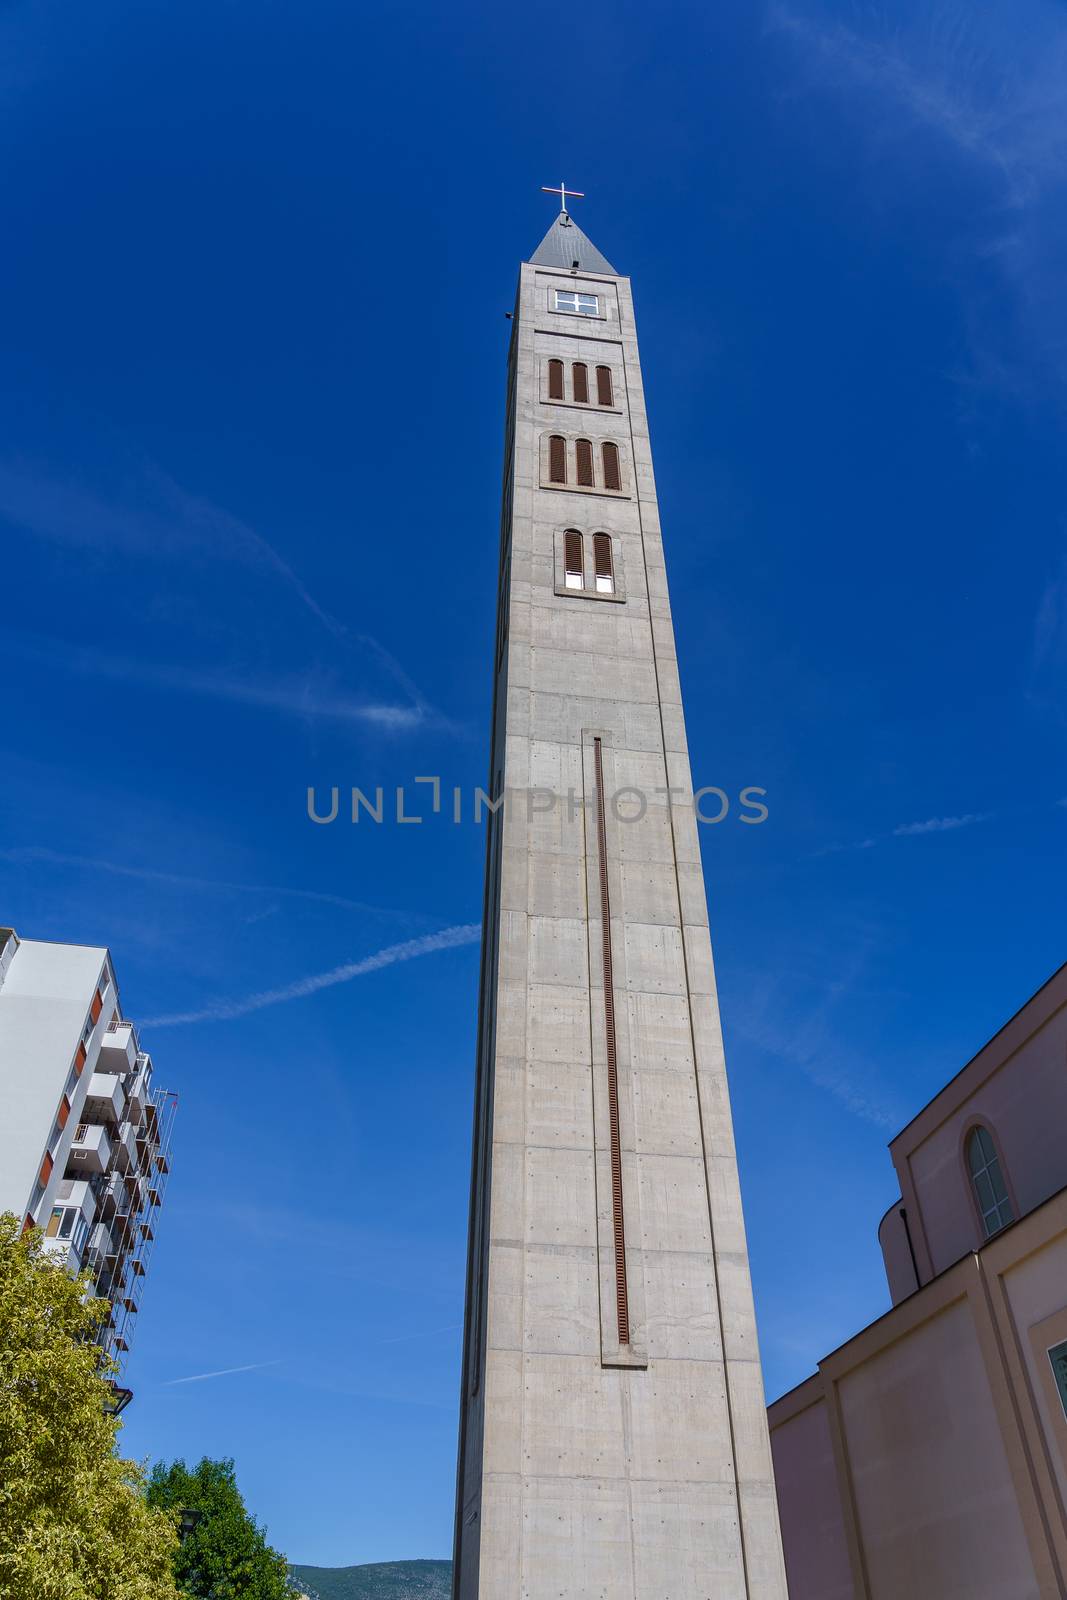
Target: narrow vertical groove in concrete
x,y
622,1299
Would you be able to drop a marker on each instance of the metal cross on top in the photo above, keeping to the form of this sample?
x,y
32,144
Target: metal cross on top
x,y
563,192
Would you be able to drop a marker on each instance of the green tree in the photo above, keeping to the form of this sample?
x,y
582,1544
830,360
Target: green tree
x,y
74,1522
225,1556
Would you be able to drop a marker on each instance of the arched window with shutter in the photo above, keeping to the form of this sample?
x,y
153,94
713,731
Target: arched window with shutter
x,y
603,566
612,480
584,455
557,459
555,380
604,393
580,382
987,1177
573,563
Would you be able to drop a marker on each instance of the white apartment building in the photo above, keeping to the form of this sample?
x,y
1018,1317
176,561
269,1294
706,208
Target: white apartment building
x,y
84,1136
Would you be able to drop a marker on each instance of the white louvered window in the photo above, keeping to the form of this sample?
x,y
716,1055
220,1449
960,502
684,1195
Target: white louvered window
x,y
581,305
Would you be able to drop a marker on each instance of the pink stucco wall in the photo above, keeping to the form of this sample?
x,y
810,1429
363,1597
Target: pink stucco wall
x,y
934,1497
813,1529
1025,1103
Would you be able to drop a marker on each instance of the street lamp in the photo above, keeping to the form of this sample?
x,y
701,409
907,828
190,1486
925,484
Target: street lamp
x,y
188,1522
118,1401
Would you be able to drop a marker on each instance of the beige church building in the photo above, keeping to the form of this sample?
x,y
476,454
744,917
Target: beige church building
x,y
927,1458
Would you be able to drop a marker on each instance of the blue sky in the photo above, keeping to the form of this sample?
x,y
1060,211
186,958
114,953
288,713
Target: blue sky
x,y
257,265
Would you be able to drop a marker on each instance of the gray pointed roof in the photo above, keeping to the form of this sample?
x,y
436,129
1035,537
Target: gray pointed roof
x,y
565,244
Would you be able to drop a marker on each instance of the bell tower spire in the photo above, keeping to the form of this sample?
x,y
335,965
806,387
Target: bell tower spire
x,y
613,1435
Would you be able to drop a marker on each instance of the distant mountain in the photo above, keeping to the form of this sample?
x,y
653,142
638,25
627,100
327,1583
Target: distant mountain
x,y
387,1580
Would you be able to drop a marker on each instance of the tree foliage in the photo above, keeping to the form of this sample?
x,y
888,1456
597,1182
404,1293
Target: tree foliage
x,y
226,1556
74,1521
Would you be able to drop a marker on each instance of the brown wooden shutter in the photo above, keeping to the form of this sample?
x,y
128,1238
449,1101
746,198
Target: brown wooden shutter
x,y
46,1168
557,459
555,380
611,467
64,1112
602,555
603,387
572,551
580,379
584,454
79,1060
96,1007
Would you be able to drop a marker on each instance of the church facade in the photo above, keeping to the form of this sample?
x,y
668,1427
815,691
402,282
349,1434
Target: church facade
x,y
613,1437
928,1456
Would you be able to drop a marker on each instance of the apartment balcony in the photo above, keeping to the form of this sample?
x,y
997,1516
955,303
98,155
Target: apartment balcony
x,y
62,1250
67,1228
119,1200
147,1151
125,1146
90,1150
137,1091
105,1098
118,1049
81,1193
99,1245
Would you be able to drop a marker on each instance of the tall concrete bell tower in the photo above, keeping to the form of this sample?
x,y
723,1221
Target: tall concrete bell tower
x,y
613,1438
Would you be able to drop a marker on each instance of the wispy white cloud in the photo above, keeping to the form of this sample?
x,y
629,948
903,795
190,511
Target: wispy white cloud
x,y
990,81
152,517
313,695
798,1031
988,84
155,519
908,830
223,1372
941,824
20,855
838,849
226,1010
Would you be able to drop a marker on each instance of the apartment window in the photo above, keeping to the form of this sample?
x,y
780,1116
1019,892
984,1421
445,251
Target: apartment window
x,y
604,391
573,564
583,452
555,380
583,305
61,1222
557,459
603,566
612,477
1058,1357
990,1190
580,382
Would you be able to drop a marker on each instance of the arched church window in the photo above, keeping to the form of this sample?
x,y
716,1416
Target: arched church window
x,y
604,396
612,480
580,381
584,457
555,380
990,1190
573,564
603,567
557,459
